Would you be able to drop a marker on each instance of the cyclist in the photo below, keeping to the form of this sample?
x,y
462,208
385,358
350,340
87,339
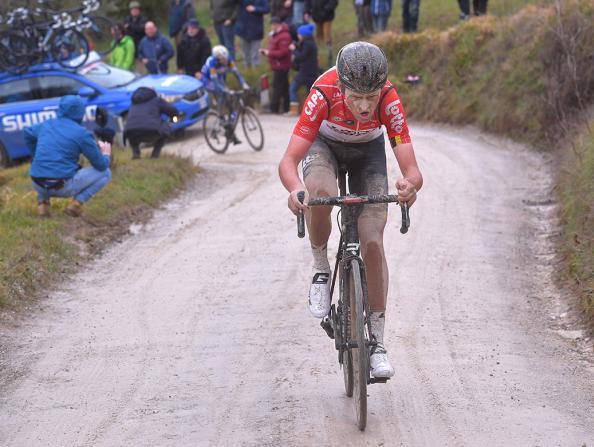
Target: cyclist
x,y
341,123
214,75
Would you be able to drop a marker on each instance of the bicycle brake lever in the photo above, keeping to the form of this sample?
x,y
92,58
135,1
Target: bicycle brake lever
x,y
405,218
300,219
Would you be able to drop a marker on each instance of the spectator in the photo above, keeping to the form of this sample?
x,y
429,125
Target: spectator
x,y
298,12
380,12
134,24
279,57
250,29
144,123
283,9
305,61
193,50
180,11
154,50
363,11
223,14
124,50
410,15
322,13
479,7
56,146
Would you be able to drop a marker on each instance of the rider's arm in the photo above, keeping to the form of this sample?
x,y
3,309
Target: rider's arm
x,y
237,74
287,170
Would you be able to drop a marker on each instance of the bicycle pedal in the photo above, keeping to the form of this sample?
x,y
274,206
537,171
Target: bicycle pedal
x,y
327,326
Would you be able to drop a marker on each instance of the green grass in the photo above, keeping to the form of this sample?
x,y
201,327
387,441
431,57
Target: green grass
x,y
33,251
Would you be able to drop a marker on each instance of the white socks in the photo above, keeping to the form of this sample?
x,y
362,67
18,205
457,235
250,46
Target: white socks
x,y
320,255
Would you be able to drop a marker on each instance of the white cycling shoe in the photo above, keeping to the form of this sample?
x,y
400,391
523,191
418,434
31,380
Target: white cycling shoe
x,y
379,363
319,293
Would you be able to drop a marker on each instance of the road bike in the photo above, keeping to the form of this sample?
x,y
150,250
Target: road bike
x,y
220,128
348,321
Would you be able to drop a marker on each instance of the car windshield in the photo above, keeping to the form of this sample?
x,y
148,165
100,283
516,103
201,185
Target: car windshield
x,y
106,75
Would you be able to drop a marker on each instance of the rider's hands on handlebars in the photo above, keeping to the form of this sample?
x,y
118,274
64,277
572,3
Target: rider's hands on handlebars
x,y
294,204
406,191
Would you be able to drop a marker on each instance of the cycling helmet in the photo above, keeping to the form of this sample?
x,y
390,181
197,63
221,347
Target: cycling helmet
x,y
220,52
362,67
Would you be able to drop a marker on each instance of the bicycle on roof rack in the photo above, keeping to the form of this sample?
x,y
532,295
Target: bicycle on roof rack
x,y
348,321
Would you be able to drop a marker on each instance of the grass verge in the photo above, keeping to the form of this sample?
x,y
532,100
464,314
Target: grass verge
x,y
33,252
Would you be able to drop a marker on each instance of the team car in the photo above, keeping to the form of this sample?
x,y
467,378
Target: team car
x,y
32,97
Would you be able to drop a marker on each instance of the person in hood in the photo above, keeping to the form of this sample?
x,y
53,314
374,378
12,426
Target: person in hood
x,y
193,50
279,58
250,29
123,52
134,24
56,146
305,61
180,11
144,123
154,50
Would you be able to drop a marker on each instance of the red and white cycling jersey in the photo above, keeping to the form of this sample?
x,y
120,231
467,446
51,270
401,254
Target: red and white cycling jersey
x,y
331,117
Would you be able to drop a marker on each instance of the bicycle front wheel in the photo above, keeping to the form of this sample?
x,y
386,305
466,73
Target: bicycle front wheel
x,y
252,129
359,355
69,48
214,132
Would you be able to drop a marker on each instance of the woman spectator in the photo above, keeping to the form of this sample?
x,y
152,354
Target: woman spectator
x,y
124,50
322,13
250,29
305,61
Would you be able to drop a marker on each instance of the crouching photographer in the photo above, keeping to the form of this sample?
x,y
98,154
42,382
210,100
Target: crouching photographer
x,y
144,123
57,145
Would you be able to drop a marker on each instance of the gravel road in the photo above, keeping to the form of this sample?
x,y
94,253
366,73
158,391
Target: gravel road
x,y
194,331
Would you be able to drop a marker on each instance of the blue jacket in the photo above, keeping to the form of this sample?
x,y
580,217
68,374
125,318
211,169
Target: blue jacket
x,y
214,74
179,15
157,50
381,7
250,25
56,144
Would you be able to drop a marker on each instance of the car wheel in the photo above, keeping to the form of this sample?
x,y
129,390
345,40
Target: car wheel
x,y
3,157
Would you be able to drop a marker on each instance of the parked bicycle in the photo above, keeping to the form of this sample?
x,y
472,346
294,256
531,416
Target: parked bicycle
x,y
219,128
348,323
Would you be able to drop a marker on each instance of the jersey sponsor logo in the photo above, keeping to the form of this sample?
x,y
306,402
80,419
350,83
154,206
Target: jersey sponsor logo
x,y
16,123
305,130
313,101
350,132
396,117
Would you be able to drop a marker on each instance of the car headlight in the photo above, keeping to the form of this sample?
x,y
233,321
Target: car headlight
x,y
171,98
196,94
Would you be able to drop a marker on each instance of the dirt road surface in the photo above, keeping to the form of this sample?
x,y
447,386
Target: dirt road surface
x,y
194,330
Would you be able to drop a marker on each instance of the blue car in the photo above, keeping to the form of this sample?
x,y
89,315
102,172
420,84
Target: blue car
x,y
32,97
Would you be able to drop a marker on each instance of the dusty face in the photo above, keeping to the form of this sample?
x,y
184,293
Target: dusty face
x,y
361,105
150,29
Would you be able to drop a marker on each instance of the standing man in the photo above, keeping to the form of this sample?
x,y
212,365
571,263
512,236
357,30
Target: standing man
x,y
410,15
363,11
180,11
56,146
193,50
154,50
322,13
224,14
134,24
283,9
380,13
250,29
279,57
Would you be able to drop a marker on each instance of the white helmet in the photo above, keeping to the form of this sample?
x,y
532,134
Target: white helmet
x,y
220,52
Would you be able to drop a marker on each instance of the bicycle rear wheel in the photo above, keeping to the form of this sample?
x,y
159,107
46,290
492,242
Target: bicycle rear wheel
x,y
359,355
99,34
69,48
252,129
214,132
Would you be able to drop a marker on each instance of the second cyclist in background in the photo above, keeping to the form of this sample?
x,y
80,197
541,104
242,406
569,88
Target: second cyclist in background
x,y
214,76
